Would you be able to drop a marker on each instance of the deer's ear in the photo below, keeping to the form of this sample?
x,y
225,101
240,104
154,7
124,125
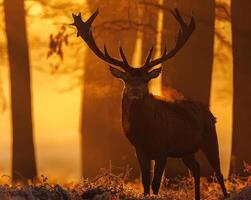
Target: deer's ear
x,y
154,73
117,73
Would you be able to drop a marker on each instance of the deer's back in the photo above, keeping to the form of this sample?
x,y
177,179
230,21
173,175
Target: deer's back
x,y
173,128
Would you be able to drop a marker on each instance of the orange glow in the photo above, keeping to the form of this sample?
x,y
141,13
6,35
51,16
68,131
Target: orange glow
x,y
56,113
170,94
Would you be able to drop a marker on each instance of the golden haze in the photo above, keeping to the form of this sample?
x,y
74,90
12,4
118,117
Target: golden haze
x,y
56,113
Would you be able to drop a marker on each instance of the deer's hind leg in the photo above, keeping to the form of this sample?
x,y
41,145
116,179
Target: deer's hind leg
x,y
210,148
214,160
194,167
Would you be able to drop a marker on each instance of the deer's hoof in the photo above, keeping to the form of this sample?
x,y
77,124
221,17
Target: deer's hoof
x,y
227,195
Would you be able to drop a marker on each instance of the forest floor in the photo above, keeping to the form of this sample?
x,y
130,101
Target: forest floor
x,y
108,186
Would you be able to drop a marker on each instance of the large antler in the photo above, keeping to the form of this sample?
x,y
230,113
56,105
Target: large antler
x,y
85,32
184,33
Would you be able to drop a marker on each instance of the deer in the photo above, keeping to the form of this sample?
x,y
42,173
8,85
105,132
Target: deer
x,y
156,128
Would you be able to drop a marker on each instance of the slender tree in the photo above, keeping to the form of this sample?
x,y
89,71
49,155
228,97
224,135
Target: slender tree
x,y
241,29
2,99
103,142
190,71
23,160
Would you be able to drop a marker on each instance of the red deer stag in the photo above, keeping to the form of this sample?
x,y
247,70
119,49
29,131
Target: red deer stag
x,y
159,129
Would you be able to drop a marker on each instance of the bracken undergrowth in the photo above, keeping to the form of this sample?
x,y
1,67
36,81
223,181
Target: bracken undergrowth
x,y
108,186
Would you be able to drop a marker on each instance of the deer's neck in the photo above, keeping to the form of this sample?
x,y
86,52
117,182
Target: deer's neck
x,y
136,118
126,107
131,112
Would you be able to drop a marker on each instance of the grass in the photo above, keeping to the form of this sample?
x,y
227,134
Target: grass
x,y
108,186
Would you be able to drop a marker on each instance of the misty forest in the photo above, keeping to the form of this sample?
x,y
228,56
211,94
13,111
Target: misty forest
x,y
129,99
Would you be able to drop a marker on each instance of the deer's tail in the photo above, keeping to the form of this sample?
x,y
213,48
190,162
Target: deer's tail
x,y
212,118
210,140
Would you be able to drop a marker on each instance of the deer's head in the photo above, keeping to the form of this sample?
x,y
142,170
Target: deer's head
x,y
135,79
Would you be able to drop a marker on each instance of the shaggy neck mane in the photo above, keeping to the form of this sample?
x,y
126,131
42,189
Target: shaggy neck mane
x,y
134,110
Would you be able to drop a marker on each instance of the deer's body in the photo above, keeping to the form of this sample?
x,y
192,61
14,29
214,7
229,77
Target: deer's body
x,y
159,129
171,129
156,128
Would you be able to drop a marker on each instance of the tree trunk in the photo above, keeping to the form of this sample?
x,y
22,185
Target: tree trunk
x,y
241,28
103,143
190,71
23,161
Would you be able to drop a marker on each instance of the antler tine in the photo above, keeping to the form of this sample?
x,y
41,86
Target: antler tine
x,y
92,18
149,56
178,17
107,53
105,50
123,55
85,32
184,34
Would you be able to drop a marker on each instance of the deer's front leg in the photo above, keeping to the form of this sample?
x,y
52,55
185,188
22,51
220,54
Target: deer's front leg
x,y
158,172
145,164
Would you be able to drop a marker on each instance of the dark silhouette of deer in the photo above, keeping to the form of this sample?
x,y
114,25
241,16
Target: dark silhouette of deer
x,y
159,129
